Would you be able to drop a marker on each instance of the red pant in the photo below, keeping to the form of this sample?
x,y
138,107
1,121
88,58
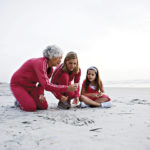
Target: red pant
x,y
28,98
64,80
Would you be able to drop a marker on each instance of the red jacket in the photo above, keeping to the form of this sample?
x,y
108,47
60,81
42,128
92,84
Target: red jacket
x,y
91,90
34,71
72,77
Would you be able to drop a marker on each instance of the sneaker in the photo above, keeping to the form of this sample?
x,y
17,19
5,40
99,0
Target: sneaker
x,y
62,105
83,105
106,104
16,103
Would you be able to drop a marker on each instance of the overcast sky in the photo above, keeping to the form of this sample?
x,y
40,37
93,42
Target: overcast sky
x,y
113,35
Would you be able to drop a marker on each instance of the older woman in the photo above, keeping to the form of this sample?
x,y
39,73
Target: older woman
x,y
29,81
64,74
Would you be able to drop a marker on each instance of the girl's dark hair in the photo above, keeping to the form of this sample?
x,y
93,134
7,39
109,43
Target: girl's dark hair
x,y
98,81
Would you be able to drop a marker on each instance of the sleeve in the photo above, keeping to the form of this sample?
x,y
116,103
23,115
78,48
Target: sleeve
x,y
40,70
63,80
57,95
41,89
77,80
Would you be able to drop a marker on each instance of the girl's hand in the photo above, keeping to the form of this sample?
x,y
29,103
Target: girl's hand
x,y
91,94
72,87
42,98
76,100
94,94
99,94
64,98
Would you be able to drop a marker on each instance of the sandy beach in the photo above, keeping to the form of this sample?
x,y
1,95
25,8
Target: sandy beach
x,y
125,126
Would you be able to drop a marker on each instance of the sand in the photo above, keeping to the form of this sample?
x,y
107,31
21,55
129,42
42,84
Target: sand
x,y
125,126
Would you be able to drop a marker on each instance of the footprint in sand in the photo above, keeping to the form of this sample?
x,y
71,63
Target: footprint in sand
x,y
139,101
26,122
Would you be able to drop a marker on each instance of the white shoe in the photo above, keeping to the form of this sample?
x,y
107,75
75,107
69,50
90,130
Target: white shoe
x,y
83,105
106,104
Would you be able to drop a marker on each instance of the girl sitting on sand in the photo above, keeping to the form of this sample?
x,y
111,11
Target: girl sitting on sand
x,y
92,92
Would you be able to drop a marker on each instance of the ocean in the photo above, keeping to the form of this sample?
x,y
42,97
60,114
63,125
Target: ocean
x,y
128,83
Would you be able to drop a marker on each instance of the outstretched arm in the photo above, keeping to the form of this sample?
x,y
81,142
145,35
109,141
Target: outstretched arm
x,y
40,69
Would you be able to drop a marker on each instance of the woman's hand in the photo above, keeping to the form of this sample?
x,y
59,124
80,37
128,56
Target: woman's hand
x,y
76,100
72,87
64,98
42,98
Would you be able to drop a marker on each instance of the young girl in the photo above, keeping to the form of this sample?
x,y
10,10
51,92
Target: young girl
x,y
64,74
92,92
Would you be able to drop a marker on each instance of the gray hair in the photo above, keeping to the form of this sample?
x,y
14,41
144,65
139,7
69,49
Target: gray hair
x,y
52,51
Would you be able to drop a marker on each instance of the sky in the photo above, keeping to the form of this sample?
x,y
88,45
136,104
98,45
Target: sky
x,y
113,35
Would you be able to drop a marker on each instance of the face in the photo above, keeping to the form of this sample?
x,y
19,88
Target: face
x,y
56,61
71,64
91,75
